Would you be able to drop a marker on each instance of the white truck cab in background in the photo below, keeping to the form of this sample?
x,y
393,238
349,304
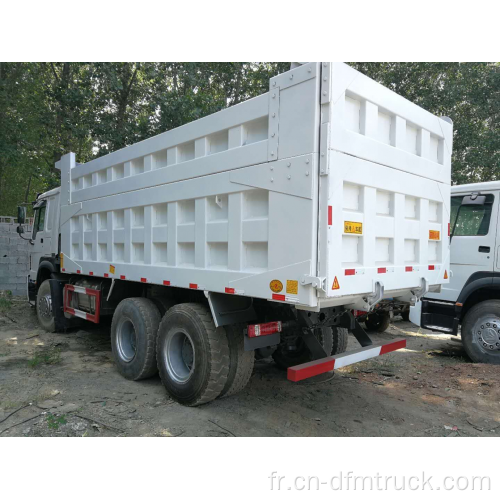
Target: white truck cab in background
x,y
472,296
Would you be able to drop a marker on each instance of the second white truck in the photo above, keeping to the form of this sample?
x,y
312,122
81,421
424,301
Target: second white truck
x,y
471,300
256,229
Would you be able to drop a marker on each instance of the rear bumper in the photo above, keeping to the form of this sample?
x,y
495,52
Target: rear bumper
x,y
330,363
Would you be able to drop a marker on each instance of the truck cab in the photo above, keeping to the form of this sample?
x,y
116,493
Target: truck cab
x,y
45,240
471,299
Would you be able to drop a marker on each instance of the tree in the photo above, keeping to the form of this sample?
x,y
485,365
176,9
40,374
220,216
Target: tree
x,y
49,109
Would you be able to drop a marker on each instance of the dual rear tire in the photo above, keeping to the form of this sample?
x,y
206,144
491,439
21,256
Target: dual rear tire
x,y
196,361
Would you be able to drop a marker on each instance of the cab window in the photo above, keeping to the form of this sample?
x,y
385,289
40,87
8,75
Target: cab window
x,y
39,220
473,220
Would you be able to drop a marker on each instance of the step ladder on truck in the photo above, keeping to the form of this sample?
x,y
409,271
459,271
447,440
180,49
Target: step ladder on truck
x,y
253,231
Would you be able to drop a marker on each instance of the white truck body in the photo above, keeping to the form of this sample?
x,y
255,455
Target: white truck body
x,y
327,190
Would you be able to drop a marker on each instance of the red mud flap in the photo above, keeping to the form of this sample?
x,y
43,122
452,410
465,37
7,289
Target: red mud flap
x,y
323,365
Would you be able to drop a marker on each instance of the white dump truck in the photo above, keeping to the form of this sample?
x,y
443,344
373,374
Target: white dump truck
x,y
253,231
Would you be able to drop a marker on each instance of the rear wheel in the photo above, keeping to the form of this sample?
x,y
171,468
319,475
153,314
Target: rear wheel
x,y
241,362
340,338
378,322
44,307
192,355
133,337
481,332
163,304
296,352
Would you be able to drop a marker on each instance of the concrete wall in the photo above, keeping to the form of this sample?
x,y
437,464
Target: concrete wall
x,y
14,257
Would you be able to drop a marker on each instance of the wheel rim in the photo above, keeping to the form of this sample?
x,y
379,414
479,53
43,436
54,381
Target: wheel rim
x,y
486,334
179,356
126,341
45,306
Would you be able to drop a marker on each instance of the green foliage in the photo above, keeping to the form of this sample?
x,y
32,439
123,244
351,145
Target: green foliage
x,y
49,109
49,357
54,422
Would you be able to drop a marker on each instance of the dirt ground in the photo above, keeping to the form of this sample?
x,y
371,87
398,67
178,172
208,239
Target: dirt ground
x,y
67,385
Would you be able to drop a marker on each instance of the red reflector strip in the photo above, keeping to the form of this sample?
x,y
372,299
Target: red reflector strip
x,y
78,271
330,215
194,286
408,269
382,270
144,280
63,270
229,290
264,329
277,296
106,275
350,272
91,273
70,287
122,277
431,268
393,346
167,283
313,368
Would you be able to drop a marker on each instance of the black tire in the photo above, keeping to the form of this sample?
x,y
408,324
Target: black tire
x,y
477,320
44,307
405,315
378,322
241,362
133,338
192,355
163,304
286,358
340,338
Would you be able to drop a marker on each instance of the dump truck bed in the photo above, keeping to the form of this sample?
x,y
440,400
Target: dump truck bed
x,y
317,193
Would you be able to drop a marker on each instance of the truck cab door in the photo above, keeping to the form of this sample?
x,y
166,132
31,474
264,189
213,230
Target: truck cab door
x,y
473,241
40,238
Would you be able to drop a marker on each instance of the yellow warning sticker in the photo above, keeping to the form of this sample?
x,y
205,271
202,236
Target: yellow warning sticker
x,y
335,285
292,286
112,269
445,274
276,286
434,235
353,227
62,260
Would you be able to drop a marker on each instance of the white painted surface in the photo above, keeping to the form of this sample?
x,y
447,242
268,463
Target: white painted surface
x,y
236,200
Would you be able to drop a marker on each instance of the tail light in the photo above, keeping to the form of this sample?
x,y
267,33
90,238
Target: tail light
x,y
264,329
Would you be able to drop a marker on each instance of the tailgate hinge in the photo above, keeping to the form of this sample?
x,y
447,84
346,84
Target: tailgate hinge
x,y
314,281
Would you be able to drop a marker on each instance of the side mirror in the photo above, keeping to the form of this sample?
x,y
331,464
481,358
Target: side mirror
x,y
21,215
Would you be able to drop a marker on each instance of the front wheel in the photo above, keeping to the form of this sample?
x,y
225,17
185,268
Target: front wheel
x,y
44,307
481,332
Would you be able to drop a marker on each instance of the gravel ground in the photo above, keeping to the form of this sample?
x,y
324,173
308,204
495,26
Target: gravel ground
x,y
67,385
